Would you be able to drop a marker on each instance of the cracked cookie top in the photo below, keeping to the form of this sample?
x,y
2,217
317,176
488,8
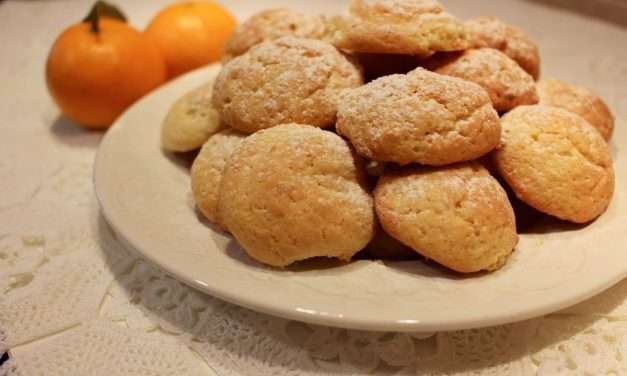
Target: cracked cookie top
x,y
494,33
271,24
294,192
421,117
556,162
287,80
505,81
411,27
458,216
582,101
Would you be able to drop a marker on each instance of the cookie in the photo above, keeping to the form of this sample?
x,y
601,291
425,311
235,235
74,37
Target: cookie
x,y
271,24
409,27
458,215
207,169
190,121
420,117
494,33
579,100
293,192
555,162
505,81
287,80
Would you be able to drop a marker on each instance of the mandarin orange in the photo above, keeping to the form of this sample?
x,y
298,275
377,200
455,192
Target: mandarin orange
x,y
191,34
94,75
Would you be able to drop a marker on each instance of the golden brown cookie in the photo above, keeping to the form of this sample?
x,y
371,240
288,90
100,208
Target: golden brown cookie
x,y
271,24
206,172
579,100
494,33
294,192
190,121
556,162
505,81
283,81
421,117
458,215
410,27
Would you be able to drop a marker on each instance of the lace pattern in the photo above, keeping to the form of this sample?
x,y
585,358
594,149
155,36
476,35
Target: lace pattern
x,y
127,306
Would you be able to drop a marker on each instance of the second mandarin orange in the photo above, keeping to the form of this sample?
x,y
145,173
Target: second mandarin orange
x,y
191,34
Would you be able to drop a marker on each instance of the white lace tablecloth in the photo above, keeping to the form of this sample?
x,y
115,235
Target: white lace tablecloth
x,y
74,302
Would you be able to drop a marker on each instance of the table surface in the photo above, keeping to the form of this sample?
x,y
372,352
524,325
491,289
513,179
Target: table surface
x,y
75,302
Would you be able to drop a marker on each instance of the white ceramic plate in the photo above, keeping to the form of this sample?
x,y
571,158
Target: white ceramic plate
x,y
145,196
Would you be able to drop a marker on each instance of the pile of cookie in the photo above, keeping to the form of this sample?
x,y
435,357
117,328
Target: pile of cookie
x,y
395,129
